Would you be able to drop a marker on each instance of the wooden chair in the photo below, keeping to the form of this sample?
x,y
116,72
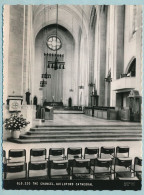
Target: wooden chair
x,y
38,170
16,171
138,167
91,153
123,167
74,153
102,169
59,170
81,169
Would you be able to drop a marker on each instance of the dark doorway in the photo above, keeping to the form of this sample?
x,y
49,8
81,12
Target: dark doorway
x,y
70,102
35,101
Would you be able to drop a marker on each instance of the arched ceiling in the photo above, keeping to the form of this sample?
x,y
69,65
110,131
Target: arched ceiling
x,y
72,17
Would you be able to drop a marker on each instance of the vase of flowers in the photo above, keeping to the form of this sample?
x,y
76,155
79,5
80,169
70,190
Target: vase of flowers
x,y
14,124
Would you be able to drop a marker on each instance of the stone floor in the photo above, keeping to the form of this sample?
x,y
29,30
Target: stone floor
x,y
79,119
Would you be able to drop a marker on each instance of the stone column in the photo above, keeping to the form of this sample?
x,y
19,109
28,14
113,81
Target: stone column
x,y
120,18
16,49
6,16
139,48
102,55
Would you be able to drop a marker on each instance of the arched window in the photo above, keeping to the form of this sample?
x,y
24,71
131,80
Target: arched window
x,y
54,43
132,68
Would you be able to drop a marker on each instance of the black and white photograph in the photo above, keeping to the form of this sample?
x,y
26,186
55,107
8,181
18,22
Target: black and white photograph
x,y
72,97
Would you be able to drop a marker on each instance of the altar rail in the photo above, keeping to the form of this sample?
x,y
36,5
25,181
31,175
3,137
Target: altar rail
x,y
108,113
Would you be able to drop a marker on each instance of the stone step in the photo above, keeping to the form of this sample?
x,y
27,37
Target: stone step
x,y
77,126
84,128
83,131
24,141
79,135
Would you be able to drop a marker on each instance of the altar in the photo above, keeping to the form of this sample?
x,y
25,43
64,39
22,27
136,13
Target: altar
x,y
53,104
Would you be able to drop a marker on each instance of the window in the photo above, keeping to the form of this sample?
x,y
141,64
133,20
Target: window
x,y
54,43
132,69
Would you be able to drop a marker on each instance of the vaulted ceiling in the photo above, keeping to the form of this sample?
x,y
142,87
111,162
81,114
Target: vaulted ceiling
x,y
73,17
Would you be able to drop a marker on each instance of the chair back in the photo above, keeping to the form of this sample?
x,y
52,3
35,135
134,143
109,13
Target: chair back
x,y
17,155
37,165
81,163
103,163
122,151
59,169
81,167
59,164
125,162
56,153
138,161
91,152
107,150
38,154
73,153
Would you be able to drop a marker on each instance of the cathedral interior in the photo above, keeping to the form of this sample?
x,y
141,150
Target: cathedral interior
x,y
74,72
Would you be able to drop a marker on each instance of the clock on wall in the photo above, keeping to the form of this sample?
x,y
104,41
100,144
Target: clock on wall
x,y
54,43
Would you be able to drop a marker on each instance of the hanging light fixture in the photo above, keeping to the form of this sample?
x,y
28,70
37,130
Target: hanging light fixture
x,y
55,61
45,75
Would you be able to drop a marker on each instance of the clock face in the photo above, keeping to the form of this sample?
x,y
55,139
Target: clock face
x,y
54,43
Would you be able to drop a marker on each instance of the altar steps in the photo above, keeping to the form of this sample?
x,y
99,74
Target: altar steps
x,y
79,133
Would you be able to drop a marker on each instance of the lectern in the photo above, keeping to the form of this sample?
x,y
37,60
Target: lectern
x,y
48,113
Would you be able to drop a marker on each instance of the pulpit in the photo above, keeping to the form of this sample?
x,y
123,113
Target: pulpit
x,y
14,103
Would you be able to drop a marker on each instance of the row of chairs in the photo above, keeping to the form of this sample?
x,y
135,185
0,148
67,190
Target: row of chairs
x,y
91,166
54,153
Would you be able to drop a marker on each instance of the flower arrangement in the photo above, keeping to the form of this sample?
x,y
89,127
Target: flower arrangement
x,y
15,122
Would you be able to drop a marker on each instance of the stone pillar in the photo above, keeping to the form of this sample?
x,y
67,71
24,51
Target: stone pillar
x,y
139,49
102,55
6,27
91,55
15,49
120,18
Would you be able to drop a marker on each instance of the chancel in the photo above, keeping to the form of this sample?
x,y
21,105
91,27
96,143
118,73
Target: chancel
x,y
76,73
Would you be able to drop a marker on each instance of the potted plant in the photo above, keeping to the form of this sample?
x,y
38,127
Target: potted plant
x,y
15,123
